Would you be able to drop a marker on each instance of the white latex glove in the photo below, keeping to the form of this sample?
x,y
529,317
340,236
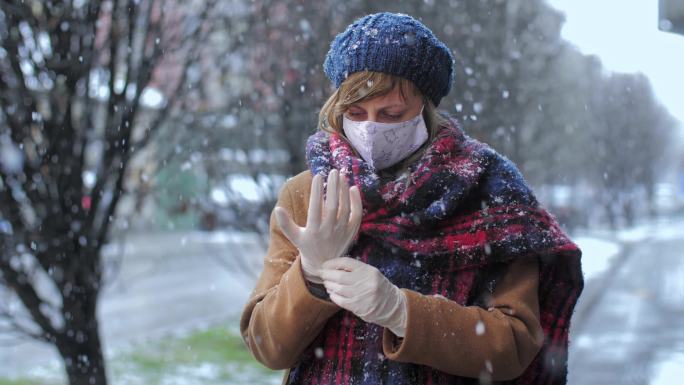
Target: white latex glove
x,y
366,292
329,230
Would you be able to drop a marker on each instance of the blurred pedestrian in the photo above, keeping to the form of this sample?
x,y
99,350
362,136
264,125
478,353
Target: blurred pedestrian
x,y
408,252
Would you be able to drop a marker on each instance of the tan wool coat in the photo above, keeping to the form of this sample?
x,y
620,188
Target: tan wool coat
x,y
282,316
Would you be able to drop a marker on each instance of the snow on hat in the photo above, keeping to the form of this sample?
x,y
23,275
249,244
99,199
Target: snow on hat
x,y
396,44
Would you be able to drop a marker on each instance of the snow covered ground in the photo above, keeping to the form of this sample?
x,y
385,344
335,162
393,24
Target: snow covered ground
x,y
600,247
167,283
670,371
597,255
173,283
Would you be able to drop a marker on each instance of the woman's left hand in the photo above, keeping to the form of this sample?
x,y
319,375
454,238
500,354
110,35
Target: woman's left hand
x,y
366,292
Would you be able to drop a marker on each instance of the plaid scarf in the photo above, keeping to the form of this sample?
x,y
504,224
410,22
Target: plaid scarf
x,y
464,214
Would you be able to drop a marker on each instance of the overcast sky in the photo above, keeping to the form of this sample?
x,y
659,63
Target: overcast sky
x,y
624,35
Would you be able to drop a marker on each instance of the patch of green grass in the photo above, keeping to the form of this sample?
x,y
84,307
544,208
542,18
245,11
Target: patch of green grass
x,y
215,354
11,382
218,344
19,381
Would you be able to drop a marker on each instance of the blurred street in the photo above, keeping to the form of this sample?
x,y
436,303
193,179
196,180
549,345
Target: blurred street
x,y
628,326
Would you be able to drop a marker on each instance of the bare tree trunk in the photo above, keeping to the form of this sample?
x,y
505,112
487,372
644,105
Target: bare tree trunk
x,y
79,343
81,350
628,212
58,222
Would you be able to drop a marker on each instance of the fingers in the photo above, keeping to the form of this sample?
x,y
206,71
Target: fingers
x,y
356,208
343,218
286,224
337,276
341,204
331,198
342,263
339,300
339,289
313,218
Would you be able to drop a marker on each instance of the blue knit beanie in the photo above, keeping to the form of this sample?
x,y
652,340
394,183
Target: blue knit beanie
x,y
396,44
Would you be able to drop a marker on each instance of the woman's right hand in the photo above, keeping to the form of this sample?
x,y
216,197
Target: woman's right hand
x,y
330,226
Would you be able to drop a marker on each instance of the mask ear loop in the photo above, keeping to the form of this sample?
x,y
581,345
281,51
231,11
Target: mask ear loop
x,y
420,114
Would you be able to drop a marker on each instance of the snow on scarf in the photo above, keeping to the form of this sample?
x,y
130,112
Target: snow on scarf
x,y
466,211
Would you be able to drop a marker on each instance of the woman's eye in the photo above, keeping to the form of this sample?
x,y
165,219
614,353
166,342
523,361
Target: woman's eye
x,y
394,117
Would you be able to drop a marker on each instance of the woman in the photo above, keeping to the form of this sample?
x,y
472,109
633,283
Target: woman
x,y
408,252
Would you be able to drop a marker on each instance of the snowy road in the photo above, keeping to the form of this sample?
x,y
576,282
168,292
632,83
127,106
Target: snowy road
x,y
633,332
167,282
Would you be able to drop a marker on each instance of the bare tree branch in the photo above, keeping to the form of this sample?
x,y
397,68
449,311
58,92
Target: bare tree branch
x,y
32,302
20,328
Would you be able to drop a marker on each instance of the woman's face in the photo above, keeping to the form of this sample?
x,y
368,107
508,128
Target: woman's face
x,y
388,108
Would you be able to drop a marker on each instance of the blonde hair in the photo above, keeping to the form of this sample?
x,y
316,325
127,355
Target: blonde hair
x,y
364,85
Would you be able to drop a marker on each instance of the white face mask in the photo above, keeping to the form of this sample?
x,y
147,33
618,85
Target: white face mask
x,y
384,144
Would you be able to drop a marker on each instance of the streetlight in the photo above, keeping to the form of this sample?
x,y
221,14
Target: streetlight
x,y
671,16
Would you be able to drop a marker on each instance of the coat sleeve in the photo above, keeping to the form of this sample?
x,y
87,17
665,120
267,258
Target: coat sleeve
x,y
497,342
282,317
